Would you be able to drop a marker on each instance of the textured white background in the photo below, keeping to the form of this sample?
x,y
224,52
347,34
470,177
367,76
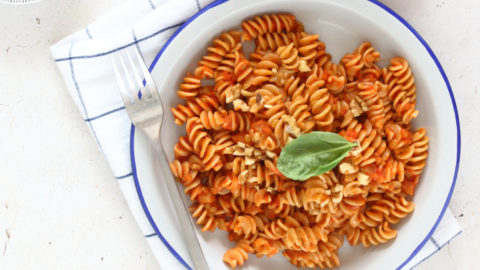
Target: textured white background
x,y
60,207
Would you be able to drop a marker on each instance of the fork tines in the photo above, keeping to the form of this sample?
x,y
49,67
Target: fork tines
x,y
132,86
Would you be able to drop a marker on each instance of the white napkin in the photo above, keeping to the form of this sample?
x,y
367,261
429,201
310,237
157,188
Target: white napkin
x,y
83,60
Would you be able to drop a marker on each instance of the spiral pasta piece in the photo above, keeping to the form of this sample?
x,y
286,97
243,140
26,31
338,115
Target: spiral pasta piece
x,y
298,110
195,106
325,257
183,148
238,255
258,197
379,235
368,54
204,217
289,56
335,77
244,225
304,238
266,247
268,24
226,43
420,142
265,69
242,70
321,108
190,87
212,120
401,89
271,41
369,93
201,143
310,48
353,64
182,170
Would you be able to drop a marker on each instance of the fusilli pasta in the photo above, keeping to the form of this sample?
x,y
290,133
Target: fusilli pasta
x,y
288,86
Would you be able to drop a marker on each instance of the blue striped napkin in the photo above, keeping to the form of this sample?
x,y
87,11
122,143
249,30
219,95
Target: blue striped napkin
x,y
83,60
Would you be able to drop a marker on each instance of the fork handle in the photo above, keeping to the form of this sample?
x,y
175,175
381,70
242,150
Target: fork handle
x,y
193,246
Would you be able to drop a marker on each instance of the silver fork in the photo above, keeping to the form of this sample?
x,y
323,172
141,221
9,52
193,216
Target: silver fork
x,y
146,113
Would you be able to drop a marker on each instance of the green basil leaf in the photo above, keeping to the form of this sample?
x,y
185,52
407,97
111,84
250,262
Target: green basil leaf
x,y
312,154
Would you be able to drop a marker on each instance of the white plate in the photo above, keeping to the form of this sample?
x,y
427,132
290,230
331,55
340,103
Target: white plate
x,y
342,25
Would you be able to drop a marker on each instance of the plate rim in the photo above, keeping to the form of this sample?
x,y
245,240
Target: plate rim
x,y
386,9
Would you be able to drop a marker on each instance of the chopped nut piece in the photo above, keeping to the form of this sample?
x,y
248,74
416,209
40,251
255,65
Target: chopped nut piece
x,y
382,89
355,108
249,151
239,152
269,144
288,119
338,188
232,93
362,103
270,154
257,152
270,189
292,127
239,104
357,150
229,150
338,193
363,179
328,192
252,179
346,168
303,67
268,106
229,96
242,177
241,144
249,161
274,76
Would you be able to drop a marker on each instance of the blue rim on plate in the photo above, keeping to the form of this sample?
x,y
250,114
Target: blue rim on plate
x,y
391,12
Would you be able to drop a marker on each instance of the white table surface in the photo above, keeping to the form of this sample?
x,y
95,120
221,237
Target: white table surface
x,y
61,208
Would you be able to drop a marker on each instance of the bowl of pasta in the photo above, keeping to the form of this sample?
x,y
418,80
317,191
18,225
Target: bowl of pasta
x,y
313,133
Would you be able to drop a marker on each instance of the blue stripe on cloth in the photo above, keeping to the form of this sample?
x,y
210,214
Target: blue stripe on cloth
x,y
88,33
70,58
137,45
426,258
104,114
151,4
79,93
435,242
124,176
198,4
150,235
